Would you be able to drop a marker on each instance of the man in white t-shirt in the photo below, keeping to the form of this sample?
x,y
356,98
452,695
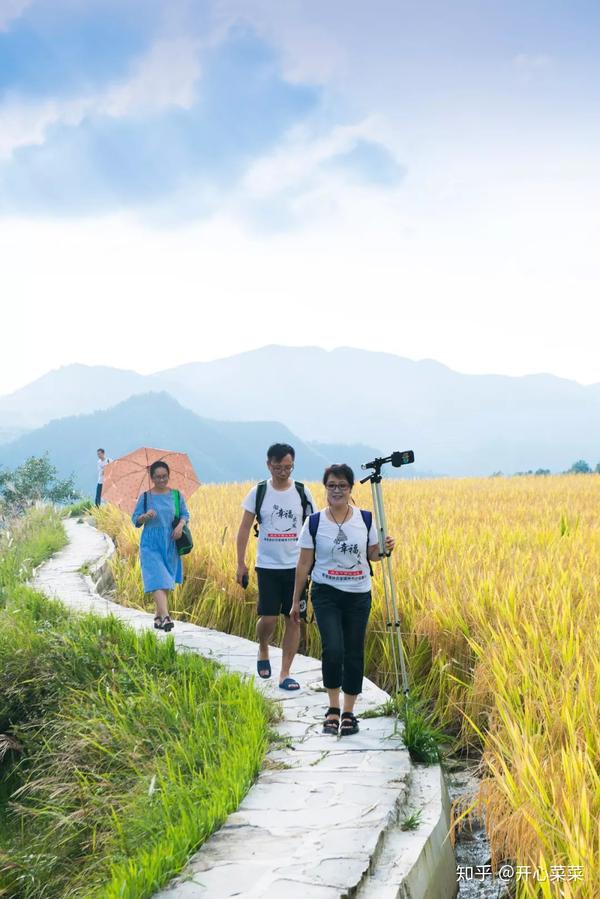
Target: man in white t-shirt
x,y
280,506
103,461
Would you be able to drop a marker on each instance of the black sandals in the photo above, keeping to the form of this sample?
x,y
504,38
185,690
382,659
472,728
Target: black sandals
x,y
331,725
164,623
348,724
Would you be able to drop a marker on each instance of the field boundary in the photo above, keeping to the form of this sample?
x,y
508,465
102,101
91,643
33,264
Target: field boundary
x,y
325,812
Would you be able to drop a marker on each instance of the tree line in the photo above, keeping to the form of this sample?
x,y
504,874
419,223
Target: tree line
x,y
578,467
36,480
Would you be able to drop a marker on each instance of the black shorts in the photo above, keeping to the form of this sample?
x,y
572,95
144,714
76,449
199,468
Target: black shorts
x,y
276,591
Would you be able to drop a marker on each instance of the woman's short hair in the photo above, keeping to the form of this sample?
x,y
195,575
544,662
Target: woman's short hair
x,y
339,470
158,464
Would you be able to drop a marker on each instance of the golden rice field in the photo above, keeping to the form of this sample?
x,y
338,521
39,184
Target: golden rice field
x,y
499,590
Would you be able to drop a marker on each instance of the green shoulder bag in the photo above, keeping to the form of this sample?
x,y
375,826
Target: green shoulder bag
x,y
185,543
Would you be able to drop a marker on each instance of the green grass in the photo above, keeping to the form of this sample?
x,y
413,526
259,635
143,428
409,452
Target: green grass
x,y
412,821
421,736
76,510
130,753
27,543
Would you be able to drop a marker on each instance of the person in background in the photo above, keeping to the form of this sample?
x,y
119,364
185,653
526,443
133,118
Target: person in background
x,y
103,461
341,547
280,506
162,567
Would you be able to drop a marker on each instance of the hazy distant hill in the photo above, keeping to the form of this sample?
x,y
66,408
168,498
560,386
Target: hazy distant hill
x,y
455,423
71,390
9,434
459,424
220,451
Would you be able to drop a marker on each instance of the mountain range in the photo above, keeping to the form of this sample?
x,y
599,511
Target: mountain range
x,y
219,451
456,424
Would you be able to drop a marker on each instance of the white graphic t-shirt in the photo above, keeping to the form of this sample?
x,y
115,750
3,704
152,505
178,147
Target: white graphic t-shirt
x,y
281,521
341,552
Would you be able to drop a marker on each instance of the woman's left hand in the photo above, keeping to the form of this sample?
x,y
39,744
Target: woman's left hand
x,y
389,544
178,531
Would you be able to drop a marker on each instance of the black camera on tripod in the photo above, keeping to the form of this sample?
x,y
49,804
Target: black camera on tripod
x,y
397,459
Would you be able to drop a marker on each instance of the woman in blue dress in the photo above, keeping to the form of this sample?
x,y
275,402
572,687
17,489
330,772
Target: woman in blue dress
x,y
162,567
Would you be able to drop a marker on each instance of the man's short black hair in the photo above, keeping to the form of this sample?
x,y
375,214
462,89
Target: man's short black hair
x,y
277,451
100,449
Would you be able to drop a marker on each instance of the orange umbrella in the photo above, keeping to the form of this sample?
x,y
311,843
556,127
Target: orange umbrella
x,y
127,477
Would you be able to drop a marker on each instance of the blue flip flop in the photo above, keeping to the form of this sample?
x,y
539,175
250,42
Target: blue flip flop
x,y
263,665
288,683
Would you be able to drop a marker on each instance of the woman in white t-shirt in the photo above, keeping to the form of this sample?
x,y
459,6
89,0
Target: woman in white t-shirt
x,y
340,545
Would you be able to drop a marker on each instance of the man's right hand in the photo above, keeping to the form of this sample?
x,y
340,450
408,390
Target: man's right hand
x,y
242,571
295,612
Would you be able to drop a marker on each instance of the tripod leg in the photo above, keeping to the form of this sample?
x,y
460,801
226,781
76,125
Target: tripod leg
x,y
388,610
393,619
397,624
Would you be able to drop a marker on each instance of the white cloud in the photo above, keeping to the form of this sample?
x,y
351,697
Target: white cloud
x,y
10,10
166,76
311,49
26,123
531,64
531,61
297,185
300,155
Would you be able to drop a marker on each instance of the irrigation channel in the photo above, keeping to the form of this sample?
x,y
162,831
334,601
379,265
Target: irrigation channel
x,y
471,848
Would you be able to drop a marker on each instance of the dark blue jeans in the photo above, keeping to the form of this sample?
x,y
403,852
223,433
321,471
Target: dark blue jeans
x,y
342,621
98,493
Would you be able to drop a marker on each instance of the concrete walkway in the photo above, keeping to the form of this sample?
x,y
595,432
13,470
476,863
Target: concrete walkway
x,y
324,819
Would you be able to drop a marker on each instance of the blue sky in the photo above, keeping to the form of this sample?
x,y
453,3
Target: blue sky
x,y
97,154
434,70
438,157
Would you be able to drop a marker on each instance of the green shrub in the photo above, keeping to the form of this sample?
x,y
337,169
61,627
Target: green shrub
x,y
75,510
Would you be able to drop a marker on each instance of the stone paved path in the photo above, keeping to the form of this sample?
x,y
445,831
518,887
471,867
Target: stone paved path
x,y
323,809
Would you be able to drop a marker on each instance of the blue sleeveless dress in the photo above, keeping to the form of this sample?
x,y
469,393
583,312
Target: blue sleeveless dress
x,y
162,567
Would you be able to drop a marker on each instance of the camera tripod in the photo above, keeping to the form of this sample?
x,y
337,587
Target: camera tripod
x,y
391,606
